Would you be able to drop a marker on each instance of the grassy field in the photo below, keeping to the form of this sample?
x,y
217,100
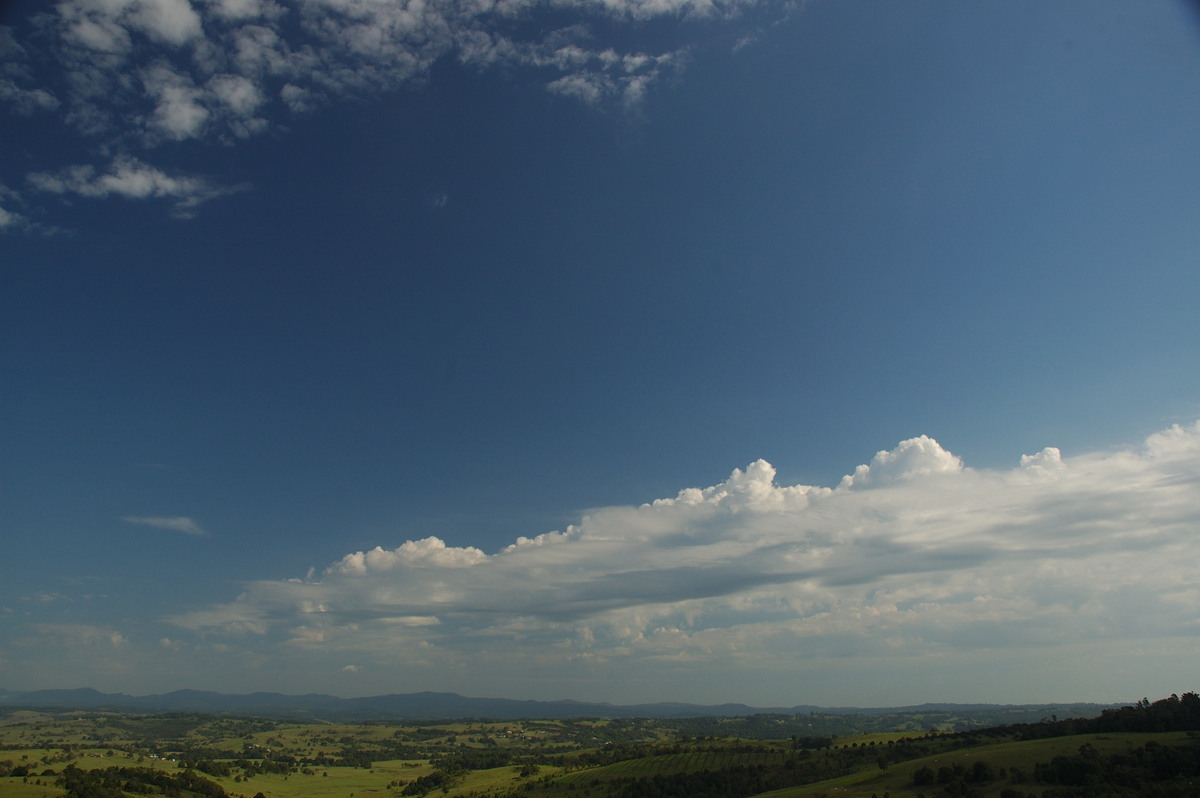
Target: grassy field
x,y
896,781
14,788
41,742
500,779
339,782
543,759
668,764
329,782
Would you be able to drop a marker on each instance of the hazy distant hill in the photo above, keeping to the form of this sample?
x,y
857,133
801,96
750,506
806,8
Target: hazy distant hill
x,y
402,706
427,705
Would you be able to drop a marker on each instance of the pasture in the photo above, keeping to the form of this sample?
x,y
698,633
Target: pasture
x,y
639,758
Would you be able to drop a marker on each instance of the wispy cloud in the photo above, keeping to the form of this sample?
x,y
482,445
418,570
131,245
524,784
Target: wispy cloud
x,y
80,635
15,70
44,597
170,523
911,555
132,179
12,221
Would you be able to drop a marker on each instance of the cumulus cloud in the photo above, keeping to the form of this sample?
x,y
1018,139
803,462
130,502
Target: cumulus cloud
x,y
172,523
318,49
912,458
912,554
171,22
336,47
136,75
178,109
413,553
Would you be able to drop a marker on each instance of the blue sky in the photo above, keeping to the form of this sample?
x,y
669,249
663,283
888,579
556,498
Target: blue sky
x,y
832,353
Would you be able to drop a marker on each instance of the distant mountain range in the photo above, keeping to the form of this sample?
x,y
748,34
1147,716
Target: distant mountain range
x,y
442,706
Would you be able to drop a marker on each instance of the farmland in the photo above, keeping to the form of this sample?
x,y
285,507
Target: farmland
x,y
89,754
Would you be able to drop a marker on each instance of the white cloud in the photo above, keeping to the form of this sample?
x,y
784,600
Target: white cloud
x,y
597,76
237,93
244,9
933,560
130,178
172,22
81,635
912,458
14,71
10,220
105,25
413,553
45,597
90,27
325,49
590,88
297,99
173,523
139,74
26,101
